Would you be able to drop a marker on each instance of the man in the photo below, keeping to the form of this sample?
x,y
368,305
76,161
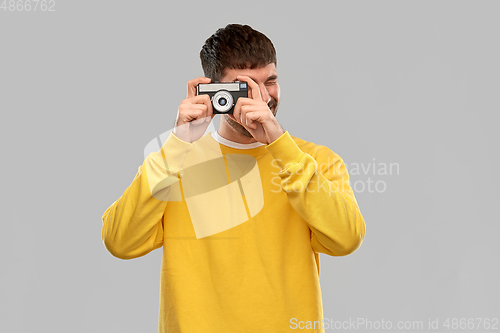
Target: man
x,y
242,213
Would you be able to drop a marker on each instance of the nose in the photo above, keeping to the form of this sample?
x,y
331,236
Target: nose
x,y
266,97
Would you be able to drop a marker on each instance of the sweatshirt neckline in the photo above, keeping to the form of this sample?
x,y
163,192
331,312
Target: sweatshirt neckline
x,y
217,137
211,142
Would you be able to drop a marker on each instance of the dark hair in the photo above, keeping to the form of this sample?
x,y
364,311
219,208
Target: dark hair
x,y
235,46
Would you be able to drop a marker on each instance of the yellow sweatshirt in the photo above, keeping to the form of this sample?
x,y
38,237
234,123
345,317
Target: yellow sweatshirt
x,y
241,230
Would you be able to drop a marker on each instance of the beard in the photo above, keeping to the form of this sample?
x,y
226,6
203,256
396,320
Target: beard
x,y
273,106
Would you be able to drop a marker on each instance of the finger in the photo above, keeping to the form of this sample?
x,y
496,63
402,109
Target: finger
x,y
250,105
209,113
254,87
206,114
193,116
192,84
252,123
248,119
200,99
242,118
193,111
251,115
239,103
236,111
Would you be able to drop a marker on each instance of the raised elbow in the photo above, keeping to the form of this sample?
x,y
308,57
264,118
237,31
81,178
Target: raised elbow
x,y
350,244
117,251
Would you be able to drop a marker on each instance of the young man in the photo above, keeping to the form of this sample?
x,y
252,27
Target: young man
x,y
242,213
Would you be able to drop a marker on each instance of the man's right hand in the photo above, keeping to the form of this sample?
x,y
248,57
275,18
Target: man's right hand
x,y
195,113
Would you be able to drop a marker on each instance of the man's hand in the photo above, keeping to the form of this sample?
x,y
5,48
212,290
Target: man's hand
x,y
254,114
194,114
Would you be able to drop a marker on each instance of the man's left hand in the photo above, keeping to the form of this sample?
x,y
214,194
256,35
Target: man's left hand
x,y
254,114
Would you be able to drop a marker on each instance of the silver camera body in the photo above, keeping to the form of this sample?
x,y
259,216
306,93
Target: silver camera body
x,y
223,95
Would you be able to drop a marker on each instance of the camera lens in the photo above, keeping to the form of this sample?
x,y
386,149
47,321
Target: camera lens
x,y
222,101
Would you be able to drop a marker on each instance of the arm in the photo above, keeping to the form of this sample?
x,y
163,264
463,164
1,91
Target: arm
x,y
319,191
133,224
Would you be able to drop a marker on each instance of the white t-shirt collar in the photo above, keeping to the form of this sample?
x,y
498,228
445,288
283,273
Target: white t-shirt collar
x,y
233,144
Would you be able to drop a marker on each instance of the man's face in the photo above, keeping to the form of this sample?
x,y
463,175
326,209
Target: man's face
x,y
267,79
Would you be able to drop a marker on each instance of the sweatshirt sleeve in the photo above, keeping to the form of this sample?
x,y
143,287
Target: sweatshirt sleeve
x,y
319,191
133,224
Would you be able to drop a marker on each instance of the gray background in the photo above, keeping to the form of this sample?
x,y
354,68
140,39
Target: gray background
x,y
85,88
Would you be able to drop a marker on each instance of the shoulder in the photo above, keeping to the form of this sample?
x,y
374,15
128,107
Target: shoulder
x,y
326,158
313,149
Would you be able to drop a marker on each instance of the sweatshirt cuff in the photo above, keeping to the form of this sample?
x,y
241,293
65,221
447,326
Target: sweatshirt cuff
x,y
285,151
173,153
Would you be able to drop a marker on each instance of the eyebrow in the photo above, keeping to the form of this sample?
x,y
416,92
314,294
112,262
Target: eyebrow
x,y
270,78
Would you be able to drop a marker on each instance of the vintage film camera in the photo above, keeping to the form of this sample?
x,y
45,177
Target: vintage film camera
x,y
223,94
